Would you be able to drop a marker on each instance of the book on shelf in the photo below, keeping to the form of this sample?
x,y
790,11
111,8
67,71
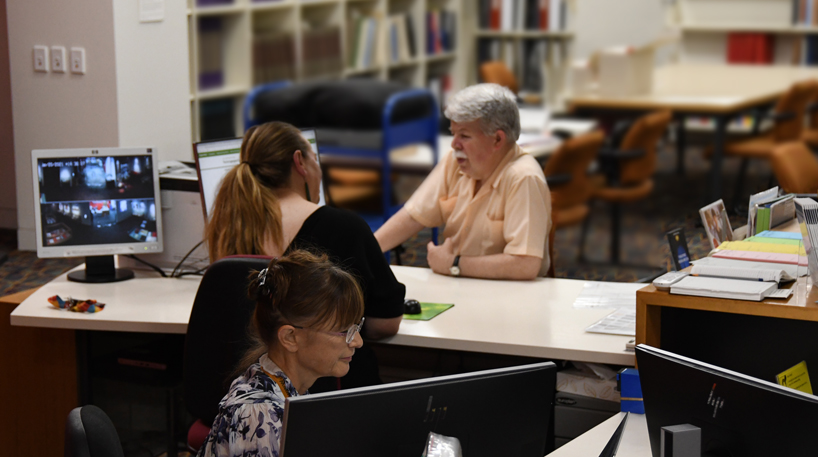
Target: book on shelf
x,y
211,44
805,12
752,48
321,52
440,31
401,42
511,15
207,3
273,57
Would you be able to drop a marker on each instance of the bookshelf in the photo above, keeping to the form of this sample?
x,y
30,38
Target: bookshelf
x,y
535,48
706,25
235,45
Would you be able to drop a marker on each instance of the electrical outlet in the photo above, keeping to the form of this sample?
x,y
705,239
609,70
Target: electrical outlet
x,y
58,59
41,58
78,61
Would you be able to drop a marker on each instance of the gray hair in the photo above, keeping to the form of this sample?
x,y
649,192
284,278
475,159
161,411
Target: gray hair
x,y
494,105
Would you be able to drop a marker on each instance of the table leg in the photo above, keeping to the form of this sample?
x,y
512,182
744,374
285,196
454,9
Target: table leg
x,y
681,145
720,134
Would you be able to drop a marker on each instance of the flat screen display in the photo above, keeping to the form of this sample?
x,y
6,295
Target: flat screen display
x,y
96,202
215,158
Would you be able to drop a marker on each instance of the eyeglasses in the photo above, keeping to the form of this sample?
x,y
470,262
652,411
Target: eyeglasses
x,y
349,334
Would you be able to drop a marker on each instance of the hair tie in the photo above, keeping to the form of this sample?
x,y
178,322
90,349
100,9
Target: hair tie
x,y
263,288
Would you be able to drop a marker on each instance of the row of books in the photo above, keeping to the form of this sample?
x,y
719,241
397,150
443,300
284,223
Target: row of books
x,y
806,50
753,48
441,29
526,60
401,30
321,52
508,15
440,87
211,42
805,12
273,57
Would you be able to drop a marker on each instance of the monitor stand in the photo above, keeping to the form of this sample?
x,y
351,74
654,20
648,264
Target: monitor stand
x,y
100,269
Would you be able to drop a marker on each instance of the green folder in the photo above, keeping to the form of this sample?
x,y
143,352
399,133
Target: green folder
x,y
768,240
428,311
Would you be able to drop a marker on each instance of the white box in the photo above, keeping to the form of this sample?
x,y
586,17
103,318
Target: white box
x,y
626,71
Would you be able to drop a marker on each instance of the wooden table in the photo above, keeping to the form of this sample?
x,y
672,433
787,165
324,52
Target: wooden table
x,y
760,339
718,91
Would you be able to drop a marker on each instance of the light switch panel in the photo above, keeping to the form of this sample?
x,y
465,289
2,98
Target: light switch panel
x,y
41,58
58,59
78,61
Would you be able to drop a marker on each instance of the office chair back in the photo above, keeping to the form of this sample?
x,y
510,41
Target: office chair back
x,y
217,334
812,105
644,135
796,168
89,432
573,158
793,104
497,72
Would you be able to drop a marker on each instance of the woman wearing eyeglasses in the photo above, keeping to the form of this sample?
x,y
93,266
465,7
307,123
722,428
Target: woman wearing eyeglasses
x,y
267,205
306,323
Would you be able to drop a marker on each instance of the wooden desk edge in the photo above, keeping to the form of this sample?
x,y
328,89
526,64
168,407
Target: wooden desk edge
x,y
19,297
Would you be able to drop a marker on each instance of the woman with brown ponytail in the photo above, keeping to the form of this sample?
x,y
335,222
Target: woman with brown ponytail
x,y
306,322
267,205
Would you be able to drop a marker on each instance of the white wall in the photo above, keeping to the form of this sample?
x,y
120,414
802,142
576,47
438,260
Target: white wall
x,y
59,110
602,23
8,198
135,92
152,79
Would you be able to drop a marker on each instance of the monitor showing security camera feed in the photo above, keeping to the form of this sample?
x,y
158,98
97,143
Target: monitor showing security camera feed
x,y
96,202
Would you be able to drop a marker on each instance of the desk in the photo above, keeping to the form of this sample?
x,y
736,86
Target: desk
x,y
634,443
719,91
533,318
760,339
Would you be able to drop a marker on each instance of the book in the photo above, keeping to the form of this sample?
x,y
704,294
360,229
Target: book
x,y
761,247
716,223
737,289
679,253
755,274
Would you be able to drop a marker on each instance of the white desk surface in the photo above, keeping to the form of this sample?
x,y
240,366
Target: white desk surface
x,y
634,443
532,318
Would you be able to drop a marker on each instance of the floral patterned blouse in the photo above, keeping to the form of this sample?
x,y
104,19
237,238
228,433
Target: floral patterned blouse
x,y
250,415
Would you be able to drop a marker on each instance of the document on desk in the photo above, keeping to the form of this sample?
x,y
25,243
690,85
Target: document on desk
x,y
620,322
790,269
597,294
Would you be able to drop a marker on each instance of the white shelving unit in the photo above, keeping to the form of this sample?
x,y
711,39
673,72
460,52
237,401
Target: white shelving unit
x,y
242,21
554,67
705,25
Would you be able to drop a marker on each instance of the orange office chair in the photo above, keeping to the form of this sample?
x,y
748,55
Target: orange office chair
x,y
496,72
810,133
795,168
570,196
628,172
788,124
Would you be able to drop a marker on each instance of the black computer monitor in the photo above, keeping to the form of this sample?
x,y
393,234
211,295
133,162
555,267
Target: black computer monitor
x,y
96,202
738,415
502,412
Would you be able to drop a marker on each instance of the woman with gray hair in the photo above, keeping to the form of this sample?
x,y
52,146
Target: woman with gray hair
x,y
490,195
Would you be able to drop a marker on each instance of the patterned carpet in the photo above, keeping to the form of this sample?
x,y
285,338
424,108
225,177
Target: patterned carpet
x,y
673,203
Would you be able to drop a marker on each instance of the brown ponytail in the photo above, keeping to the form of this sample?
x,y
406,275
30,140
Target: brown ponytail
x,y
246,212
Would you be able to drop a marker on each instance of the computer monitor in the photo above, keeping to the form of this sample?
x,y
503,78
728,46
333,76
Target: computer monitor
x,y
96,202
738,415
504,412
215,158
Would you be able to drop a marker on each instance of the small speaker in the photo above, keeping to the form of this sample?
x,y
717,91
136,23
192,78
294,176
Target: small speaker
x,y
681,441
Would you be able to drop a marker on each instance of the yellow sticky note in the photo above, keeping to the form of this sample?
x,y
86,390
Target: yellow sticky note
x,y
796,378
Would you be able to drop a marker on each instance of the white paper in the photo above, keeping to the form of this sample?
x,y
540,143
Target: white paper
x,y
608,295
151,10
620,322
